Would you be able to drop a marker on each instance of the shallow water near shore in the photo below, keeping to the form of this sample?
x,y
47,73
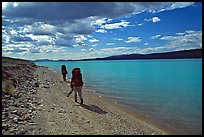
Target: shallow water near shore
x,y
167,91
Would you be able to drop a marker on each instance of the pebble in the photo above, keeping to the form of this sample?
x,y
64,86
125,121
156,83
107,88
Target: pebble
x,y
46,86
5,127
16,119
21,132
38,103
40,108
36,84
61,111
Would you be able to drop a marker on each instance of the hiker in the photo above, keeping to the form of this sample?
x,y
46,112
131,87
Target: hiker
x,y
64,72
76,84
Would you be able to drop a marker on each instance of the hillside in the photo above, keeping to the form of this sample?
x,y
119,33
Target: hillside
x,y
195,53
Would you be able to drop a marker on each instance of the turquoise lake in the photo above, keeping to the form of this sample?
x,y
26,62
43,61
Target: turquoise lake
x,y
167,91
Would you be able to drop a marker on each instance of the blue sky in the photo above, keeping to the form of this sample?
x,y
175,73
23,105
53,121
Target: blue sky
x,y
79,30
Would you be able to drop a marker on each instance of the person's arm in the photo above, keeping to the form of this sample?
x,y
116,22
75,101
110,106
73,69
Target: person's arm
x,y
72,82
82,79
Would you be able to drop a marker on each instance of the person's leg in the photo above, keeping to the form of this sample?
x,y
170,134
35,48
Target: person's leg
x,y
69,93
64,77
75,94
80,94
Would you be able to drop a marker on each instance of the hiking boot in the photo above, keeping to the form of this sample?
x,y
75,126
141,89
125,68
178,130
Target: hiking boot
x,y
81,101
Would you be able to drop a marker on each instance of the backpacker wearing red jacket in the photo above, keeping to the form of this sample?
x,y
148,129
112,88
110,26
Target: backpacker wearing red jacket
x,y
77,83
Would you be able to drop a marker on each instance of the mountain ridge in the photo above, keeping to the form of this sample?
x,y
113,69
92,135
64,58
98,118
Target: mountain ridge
x,y
182,54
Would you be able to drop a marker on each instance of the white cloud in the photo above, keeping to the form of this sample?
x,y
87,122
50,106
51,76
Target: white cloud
x,y
93,40
188,40
133,40
114,49
101,21
190,31
89,36
180,33
26,20
154,50
101,31
91,49
94,45
4,4
41,39
83,50
117,39
155,37
110,44
176,5
146,44
122,24
140,24
80,38
154,19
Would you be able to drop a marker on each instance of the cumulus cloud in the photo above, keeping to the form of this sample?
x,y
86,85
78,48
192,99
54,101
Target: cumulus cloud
x,y
189,40
175,5
93,40
101,31
154,19
155,37
102,21
146,44
140,24
133,40
110,44
122,24
117,39
63,23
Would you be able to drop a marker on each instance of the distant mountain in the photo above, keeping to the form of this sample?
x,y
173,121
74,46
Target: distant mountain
x,y
195,53
41,60
46,60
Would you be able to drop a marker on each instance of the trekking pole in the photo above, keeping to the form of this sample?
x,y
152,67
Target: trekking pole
x,y
70,93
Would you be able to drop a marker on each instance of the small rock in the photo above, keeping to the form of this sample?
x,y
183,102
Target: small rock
x,y
61,111
21,132
16,119
32,123
38,103
5,127
40,108
46,86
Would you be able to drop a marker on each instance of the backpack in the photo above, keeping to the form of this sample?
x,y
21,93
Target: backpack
x,y
76,78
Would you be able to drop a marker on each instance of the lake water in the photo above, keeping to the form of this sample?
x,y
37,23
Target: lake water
x,y
169,92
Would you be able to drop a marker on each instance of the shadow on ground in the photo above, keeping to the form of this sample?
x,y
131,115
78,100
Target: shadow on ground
x,y
93,108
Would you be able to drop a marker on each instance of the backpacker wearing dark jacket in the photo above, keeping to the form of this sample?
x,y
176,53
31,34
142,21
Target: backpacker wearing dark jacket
x,y
64,72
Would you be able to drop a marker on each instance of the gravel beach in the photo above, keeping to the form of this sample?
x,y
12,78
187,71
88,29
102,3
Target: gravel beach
x,y
39,106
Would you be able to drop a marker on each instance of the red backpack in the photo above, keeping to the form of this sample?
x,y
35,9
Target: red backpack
x,y
77,77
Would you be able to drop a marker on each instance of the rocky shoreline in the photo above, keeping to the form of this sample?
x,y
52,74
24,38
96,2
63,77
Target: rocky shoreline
x,y
34,102
19,104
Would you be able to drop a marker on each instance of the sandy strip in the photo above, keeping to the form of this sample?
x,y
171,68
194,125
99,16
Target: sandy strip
x,y
60,115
